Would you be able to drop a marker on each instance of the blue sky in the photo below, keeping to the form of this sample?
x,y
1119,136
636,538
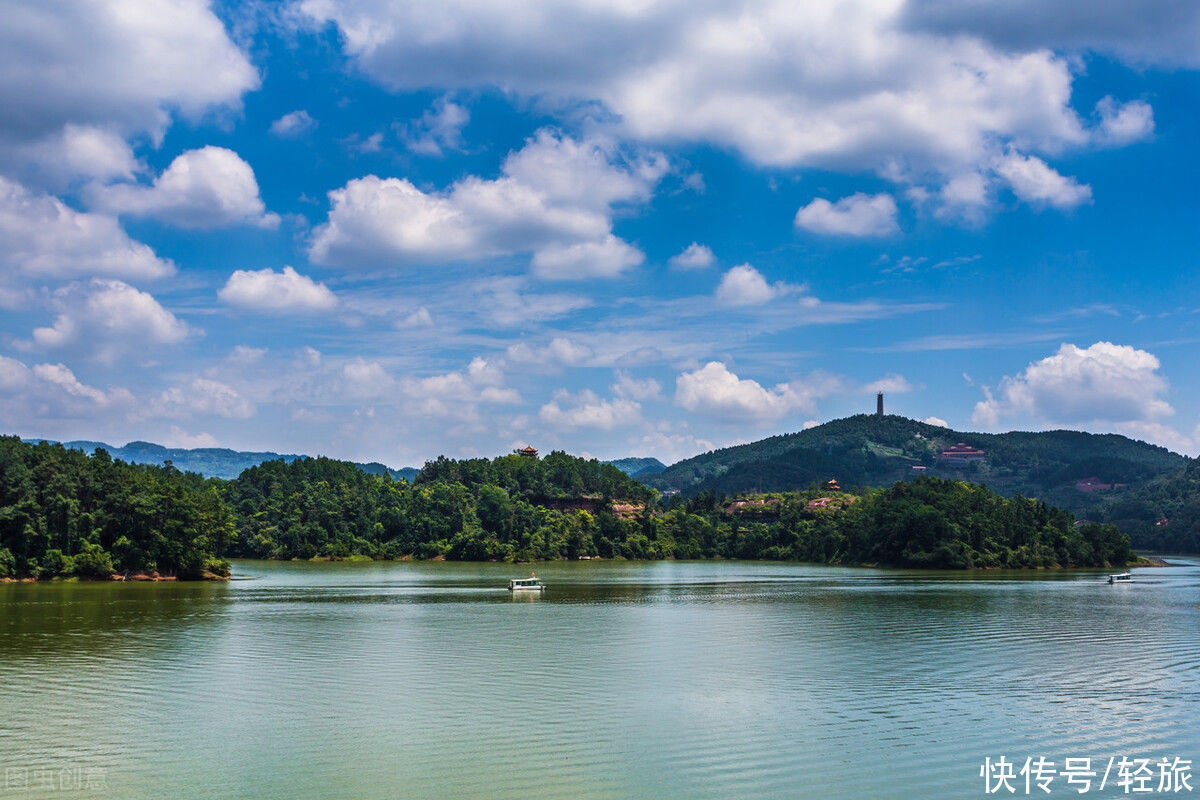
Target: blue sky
x,y
387,230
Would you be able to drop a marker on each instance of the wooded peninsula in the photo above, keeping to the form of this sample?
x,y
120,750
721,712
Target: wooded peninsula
x,y
65,513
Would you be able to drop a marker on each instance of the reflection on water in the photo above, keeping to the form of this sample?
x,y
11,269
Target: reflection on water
x,y
665,679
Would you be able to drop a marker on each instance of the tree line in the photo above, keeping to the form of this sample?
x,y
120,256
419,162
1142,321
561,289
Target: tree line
x,y
65,513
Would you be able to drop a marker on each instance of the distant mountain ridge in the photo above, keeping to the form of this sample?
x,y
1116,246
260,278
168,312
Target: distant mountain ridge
x,y
638,467
867,450
213,462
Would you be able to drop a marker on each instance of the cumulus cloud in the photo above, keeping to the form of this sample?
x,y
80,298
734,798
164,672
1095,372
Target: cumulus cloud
x,y
439,129
106,318
1160,32
202,396
938,421
363,379
46,392
714,391
587,410
211,187
555,199
743,285
294,123
456,394
889,384
633,388
694,256
1103,383
268,290
42,237
178,437
1032,180
1123,124
857,215
851,85
76,151
606,258
561,351
670,447
105,63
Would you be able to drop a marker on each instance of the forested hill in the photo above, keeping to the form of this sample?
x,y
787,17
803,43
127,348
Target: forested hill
x,y
866,450
213,462
64,513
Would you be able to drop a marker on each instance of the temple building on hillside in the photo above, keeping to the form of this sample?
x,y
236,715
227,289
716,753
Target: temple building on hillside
x,y
832,486
526,451
960,454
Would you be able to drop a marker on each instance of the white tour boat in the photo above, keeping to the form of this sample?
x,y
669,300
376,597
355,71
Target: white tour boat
x,y
530,584
1123,577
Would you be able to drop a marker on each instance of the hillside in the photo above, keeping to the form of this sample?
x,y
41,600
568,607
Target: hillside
x,y
875,451
212,462
638,467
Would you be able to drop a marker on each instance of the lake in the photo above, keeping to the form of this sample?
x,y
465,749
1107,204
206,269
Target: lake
x,y
624,680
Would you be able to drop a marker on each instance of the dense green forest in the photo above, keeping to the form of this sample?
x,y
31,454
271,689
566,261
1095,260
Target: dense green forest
x,y
1162,514
1147,481
499,509
64,513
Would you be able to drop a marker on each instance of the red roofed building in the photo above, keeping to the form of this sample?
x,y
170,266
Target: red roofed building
x,y
960,454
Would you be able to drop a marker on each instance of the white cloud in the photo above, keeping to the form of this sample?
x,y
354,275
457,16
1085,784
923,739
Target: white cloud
x,y
268,290
671,447
1162,32
1103,383
555,199
362,379
857,215
113,65
633,388
293,124
587,410
561,351
1035,182
439,129
211,187
938,421
606,258
106,318
714,391
743,285
42,237
202,396
181,438
456,394
77,151
854,85
890,384
506,302
46,392
694,256
1126,123
421,318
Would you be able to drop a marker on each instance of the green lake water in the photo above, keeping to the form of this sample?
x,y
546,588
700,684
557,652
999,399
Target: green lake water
x,y
624,680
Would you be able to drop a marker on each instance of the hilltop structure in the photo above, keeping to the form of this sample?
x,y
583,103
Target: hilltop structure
x,y
879,404
960,454
526,451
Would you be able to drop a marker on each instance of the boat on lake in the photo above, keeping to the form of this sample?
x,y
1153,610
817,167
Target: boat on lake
x,y
530,584
1122,577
